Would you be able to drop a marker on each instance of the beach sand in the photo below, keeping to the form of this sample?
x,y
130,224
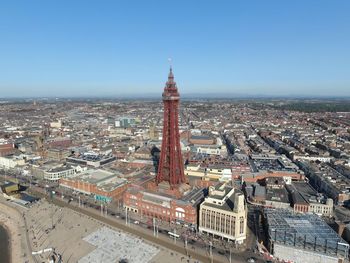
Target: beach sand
x,y
78,238
11,218
30,229
5,248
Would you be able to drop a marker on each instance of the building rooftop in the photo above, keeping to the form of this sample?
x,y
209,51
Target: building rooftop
x,y
225,200
90,157
194,196
228,205
201,137
59,169
277,195
104,180
306,191
306,231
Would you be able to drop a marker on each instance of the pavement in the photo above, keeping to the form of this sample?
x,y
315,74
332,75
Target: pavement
x,y
112,246
195,239
11,217
80,238
195,251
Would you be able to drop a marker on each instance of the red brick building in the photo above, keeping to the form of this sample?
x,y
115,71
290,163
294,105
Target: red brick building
x,y
104,185
168,198
302,207
202,139
163,206
7,149
276,174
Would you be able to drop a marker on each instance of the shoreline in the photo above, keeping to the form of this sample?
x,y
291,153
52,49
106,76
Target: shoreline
x,y
13,222
8,235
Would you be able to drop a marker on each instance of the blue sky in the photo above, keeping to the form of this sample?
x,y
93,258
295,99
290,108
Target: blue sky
x,y
113,48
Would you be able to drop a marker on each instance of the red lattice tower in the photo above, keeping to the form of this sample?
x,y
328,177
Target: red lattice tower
x,y
171,167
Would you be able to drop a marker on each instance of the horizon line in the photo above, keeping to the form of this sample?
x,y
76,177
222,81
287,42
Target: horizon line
x,y
188,96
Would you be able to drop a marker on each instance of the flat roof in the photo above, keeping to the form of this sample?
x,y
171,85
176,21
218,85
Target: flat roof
x,y
194,196
94,176
228,204
90,157
59,169
306,231
103,179
302,192
277,195
201,137
305,188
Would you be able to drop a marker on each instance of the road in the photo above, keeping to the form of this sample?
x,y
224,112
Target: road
x,y
198,249
162,240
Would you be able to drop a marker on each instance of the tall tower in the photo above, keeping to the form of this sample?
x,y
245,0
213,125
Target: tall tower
x,y
171,167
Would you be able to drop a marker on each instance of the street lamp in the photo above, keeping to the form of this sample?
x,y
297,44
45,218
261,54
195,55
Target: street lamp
x,y
229,244
126,216
154,226
211,251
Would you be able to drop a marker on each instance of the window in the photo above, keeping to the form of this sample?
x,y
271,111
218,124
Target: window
x,y
204,217
217,222
241,225
212,220
207,219
227,228
222,224
233,226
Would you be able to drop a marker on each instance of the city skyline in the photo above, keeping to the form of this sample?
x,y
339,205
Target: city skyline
x,y
237,49
183,131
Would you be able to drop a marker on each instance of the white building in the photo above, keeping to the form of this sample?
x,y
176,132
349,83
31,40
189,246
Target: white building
x,y
223,214
322,209
56,124
212,172
56,173
207,149
11,161
324,159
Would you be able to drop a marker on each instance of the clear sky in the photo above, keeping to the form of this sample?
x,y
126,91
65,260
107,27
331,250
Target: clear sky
x,y
112,48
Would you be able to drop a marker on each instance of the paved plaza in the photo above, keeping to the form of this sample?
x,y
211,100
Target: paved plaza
x,y
114,246
80,238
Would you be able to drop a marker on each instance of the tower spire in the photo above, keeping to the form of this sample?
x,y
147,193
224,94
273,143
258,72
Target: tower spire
x,y
170,60
171,168
171,75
